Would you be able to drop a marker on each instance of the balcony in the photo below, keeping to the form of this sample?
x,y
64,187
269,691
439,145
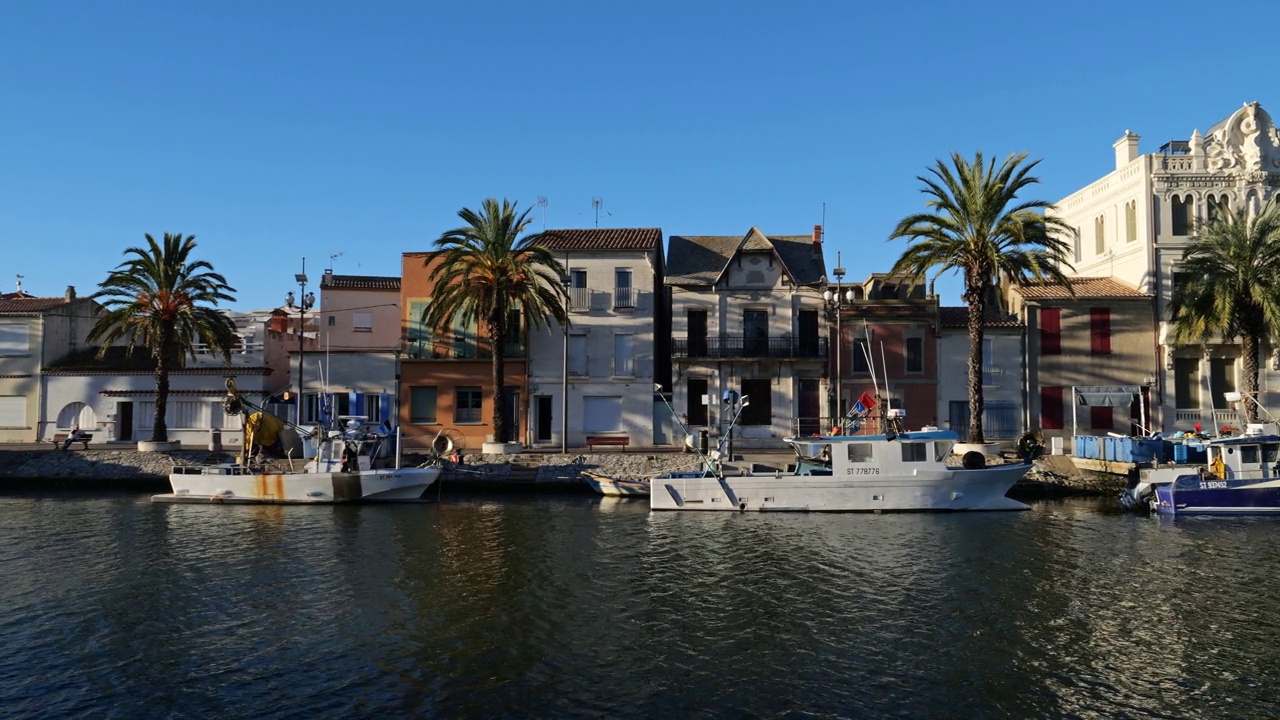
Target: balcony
x,y
730,347
624,298
478,349
579,299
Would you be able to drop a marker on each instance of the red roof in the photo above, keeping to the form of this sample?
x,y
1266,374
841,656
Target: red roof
x,y
359,282
958,317
603,239
1087,288
30,304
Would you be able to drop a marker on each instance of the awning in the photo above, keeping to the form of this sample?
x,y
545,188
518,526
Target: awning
x,y
1106,395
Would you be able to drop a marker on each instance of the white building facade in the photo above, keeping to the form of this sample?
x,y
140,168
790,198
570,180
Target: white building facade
x,y
1136,222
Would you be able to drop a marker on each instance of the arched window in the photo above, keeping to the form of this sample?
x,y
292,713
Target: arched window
x,y
77,413
1131,221
1100,234
1181,209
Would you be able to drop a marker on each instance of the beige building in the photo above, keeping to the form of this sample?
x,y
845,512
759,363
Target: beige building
x,y
1136,221
1101,337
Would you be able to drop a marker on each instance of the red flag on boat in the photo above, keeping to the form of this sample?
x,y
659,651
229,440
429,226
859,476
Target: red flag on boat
x,y
865,403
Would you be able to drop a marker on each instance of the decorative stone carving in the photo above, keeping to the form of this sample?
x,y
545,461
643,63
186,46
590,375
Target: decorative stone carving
x,y
1246,142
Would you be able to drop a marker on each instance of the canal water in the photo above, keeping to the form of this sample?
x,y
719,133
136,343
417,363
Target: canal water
x,y
529,606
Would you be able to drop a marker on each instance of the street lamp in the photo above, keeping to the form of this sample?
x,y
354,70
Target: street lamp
x,y
308,301
835,302
564,370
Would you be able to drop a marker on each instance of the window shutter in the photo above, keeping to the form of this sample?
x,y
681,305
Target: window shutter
x,y
1051,331
1051,408
1100,331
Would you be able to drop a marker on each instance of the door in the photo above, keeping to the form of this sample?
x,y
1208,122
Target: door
x,y
755,333
697,333
511,409
808,332
124,421
695,407
542,419
809,408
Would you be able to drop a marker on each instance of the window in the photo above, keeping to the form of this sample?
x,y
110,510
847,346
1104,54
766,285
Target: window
x,y
1222,379
623,359
1181,209
1131,221
860,452
623,294
578,355
217,416
1076,242
466,406
1051,331
1100,235
332,320
184,414
1217,208
989,368
417,334
1100,331
760,410
464,339
697,320
915,354
1101,417
755,333
999,418
362,322
601,414
579,295
13,411
859,356
913,451
1051,408
422,405
13,339
1186,383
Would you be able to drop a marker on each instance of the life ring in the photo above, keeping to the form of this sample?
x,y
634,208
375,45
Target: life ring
x,y
836,430
1030,446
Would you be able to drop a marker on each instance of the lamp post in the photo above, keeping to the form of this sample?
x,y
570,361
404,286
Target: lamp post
x,y
307,300
564,371
835,302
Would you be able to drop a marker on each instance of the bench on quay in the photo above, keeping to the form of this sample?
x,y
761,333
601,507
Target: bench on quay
x,y
61,438
616,440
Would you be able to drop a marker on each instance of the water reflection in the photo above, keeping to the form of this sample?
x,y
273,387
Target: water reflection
x,y
531,606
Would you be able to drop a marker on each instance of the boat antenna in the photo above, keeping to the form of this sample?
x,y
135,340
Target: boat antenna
x,y
706,464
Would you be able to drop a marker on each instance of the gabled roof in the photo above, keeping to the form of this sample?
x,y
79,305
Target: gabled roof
x,y
702,259
958,317
359,282
1087,288
29,304
603,239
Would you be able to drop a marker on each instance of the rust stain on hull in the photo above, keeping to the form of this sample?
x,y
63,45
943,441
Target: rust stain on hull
x,y
269,487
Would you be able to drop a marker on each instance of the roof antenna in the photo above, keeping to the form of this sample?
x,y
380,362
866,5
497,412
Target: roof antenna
x,y
333,257
20,283
596,203
542,202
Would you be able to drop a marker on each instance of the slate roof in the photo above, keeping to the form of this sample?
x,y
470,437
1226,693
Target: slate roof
x,y
603,239
117,362
1087,288
29,304
702,259
359,282
958,317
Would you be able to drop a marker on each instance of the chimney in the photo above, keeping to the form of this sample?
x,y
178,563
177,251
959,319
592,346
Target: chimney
x,y
1126,149
71,293
817,239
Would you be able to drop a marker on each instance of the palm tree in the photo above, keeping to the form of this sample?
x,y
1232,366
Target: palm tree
x,y
161,300
482,272
978,226
1231,286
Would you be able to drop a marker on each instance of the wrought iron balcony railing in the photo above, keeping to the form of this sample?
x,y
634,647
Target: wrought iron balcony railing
x,y
733,347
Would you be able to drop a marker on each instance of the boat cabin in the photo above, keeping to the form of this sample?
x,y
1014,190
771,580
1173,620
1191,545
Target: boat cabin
x,y
872,454
1244,457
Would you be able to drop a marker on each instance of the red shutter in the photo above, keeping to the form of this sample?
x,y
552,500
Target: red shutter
x,y
1101,418
1051,408
1100,331
1051,332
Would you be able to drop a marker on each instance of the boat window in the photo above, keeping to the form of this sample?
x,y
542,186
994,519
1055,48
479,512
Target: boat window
x,y
859,452
941,450
1270,452
1249,454
912,452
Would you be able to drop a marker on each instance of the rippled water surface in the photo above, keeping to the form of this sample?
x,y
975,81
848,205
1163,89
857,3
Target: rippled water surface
x,y
576,607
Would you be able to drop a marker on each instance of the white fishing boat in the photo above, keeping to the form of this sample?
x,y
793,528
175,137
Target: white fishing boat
x,y
894,472
350,463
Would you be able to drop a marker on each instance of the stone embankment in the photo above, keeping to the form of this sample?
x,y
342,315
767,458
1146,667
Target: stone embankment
x,y
127,469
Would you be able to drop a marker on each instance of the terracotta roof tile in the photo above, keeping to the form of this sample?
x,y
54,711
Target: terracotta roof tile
x,y
958,317
603,239
701,259
30,304
359,282
1087,288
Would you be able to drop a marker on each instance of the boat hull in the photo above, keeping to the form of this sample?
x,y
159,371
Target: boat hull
x,y
926,491
223,484
1193,495
614,487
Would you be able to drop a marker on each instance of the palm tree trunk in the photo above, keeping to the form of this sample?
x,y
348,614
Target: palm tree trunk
x,y
1249,349
159,428
977,309
497,332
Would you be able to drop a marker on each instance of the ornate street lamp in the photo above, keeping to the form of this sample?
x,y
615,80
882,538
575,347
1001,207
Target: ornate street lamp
x,y
308,301
835,302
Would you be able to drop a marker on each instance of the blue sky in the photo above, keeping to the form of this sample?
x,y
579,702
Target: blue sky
x,y
274,131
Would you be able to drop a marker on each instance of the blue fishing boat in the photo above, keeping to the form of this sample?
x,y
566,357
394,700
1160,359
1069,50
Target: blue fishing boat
x,y
1241,476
